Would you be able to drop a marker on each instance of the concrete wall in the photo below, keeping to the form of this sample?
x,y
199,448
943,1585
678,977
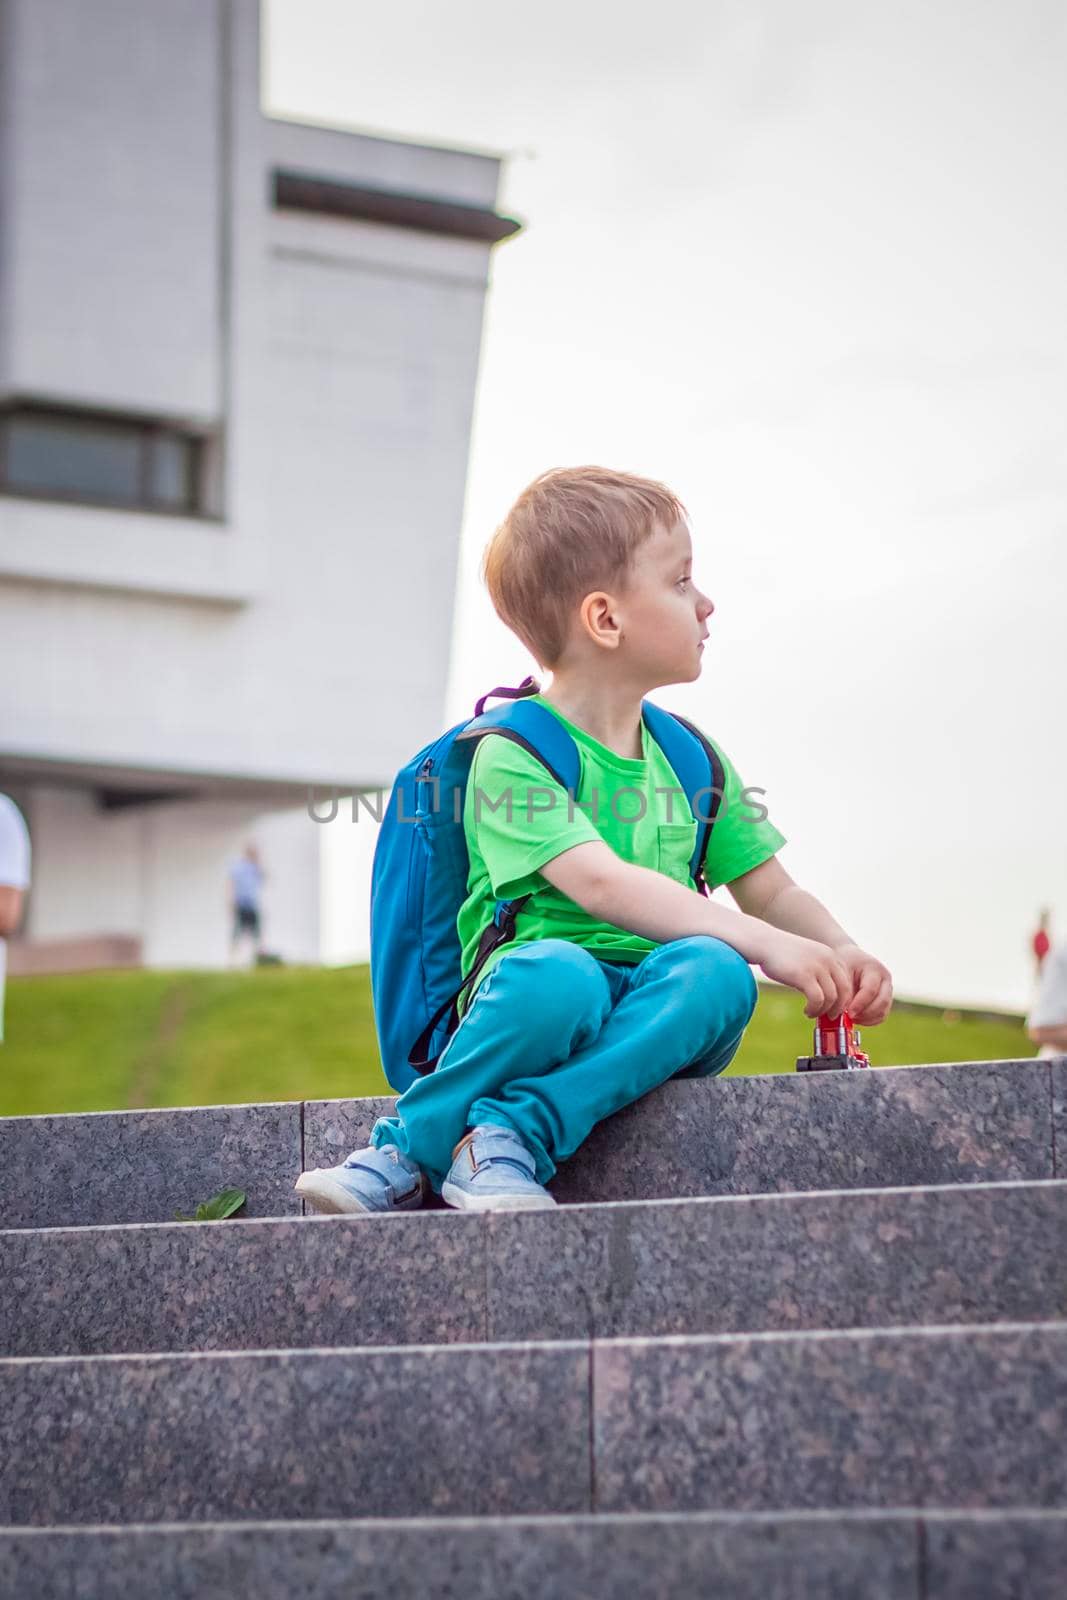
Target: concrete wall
x,y
112,150
349,361
302,635
161,870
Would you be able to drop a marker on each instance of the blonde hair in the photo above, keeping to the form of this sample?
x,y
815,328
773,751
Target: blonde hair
x,y
572,530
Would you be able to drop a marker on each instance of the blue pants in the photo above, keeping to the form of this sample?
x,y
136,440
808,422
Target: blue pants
x,y
556,1039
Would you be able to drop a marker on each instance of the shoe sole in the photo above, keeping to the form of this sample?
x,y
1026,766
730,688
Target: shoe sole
x,y
333,1199
496,1202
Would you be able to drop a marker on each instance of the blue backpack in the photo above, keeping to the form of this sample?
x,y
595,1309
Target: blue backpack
x,y
420,868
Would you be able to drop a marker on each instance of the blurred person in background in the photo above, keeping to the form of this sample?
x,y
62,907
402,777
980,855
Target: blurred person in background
x,y
1047,1023
246,884
1041,943
14,879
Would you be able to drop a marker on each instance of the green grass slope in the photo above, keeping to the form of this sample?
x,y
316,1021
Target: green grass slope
x,y
109,1041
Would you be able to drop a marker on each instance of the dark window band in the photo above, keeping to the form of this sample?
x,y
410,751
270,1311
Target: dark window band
x,y
99,458
295,191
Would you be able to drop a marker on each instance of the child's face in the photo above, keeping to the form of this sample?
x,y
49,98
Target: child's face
x,y
663,615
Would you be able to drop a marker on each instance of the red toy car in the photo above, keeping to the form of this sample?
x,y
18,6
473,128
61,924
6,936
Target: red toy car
x,y
836,1047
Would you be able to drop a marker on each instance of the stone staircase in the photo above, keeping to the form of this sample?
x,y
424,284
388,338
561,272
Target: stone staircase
x,y
810,1346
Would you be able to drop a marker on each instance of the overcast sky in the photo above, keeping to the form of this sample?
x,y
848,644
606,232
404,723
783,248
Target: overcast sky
x,y
804,261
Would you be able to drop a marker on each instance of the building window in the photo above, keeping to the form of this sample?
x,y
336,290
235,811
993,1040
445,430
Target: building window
x,y
80,455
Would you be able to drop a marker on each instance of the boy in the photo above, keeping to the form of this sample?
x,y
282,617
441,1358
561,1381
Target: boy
x,y
620,975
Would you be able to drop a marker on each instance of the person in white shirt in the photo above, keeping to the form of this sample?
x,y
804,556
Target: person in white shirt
x,y
14,879
1047,1022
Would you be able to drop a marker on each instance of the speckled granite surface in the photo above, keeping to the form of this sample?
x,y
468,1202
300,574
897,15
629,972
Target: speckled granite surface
x,y
968,1122
901,1555
994,1558
660,1430
965,1122
461,1430
1058,1073
544,1558
144,1166
404,1279
897,1126
900,1126
953,1419
959,1419
334,1127
972,1253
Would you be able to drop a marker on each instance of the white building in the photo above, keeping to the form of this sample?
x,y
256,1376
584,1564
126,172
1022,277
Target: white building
x,y
237,370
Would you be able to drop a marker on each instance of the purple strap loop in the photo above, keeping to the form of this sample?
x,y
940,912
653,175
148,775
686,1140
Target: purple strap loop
x,y
529,685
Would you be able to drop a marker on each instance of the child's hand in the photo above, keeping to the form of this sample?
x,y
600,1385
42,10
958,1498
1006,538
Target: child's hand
x,y
820,973
871,985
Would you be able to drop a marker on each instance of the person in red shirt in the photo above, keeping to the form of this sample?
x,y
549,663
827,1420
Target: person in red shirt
x,y
1041,943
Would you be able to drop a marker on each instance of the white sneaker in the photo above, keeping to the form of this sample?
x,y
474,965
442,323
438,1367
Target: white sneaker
x,y
373,1179
492,1170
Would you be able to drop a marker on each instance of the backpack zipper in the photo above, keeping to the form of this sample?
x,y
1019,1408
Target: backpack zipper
x,y
423,776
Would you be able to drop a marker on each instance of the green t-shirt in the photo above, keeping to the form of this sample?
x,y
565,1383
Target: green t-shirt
x,y
652,829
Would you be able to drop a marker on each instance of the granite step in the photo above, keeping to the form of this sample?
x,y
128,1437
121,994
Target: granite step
x,y
948,1418
968,1253
895,1127
906,1554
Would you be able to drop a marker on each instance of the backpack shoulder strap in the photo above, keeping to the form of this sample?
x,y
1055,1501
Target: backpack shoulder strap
x,y
698,769
538,731
691,754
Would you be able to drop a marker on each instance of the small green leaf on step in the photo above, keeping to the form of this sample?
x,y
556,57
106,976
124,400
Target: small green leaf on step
x,y
221,1205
